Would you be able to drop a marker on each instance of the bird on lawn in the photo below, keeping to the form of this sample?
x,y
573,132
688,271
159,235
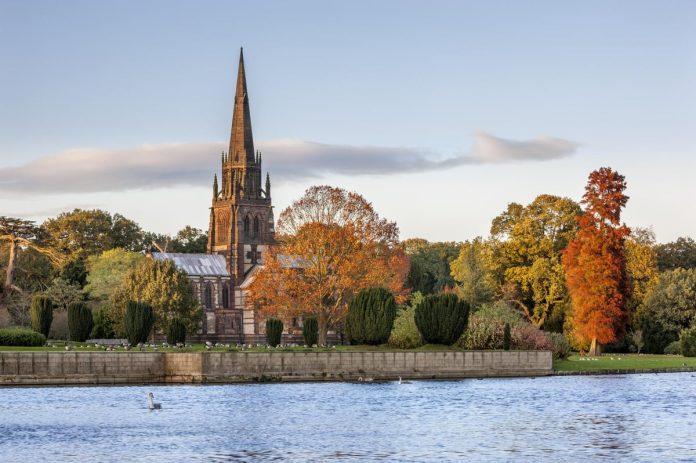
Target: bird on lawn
x,y
151,404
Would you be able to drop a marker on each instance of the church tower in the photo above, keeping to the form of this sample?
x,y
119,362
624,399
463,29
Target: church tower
x,y
241,216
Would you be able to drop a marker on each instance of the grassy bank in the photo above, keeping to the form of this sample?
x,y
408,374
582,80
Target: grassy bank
x,y
623,362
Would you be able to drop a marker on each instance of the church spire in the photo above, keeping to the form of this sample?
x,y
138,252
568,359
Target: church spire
x,y
241,141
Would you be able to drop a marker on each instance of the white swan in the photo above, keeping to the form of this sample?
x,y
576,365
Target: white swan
x,y
151,404
403,382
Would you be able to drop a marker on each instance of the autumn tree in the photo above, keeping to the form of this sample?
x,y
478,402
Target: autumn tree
x,y
471,273
330,245
595,262
641,268
525,256
107,271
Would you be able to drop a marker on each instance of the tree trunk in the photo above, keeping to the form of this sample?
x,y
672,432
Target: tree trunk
x,y
11,264
595,348
322,328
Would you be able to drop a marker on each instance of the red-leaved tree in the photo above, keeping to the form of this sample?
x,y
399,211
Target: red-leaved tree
x,y
595,262
330,245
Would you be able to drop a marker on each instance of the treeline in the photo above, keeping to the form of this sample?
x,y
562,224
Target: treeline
x,y
92,257
519,265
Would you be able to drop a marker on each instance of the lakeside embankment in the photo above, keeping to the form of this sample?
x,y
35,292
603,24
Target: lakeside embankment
x,y
620,364
66,368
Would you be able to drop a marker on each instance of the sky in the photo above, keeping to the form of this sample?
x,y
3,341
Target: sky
x,y
440,113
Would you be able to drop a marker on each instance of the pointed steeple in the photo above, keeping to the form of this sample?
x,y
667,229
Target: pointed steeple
x,y
241,140
215,187
268,185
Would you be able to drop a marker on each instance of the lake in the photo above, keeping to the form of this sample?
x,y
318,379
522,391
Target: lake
x,y
573,418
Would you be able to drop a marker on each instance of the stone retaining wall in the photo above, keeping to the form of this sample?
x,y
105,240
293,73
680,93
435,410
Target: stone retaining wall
x,y
57,368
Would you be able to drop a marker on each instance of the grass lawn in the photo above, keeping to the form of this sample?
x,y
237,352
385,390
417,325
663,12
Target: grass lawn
x,y
623,362
199,347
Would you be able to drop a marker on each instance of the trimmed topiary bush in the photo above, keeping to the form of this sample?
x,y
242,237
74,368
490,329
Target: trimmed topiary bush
x,y
20,336
79,321
507,337
310,330
370,317
561,346
687,338
441,319
41,314
138,321
274,331
673,348
176,331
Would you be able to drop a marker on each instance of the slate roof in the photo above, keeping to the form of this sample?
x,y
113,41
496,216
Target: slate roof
x,y
196,264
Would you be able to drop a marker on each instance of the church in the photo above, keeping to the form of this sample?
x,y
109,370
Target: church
x,y
239,233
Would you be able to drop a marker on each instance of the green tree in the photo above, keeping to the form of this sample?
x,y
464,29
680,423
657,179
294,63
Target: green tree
x,y
33,271
83,233
18,234
370,316
63,293
641,266
677,254
441,319
469,271
74,272
274,331
41,314
166,288
430,264
669,309
405,334
525,259
107,271
138,321
79,321
190,240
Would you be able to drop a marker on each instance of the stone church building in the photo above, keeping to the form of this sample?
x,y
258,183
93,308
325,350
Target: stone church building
x,y
240,231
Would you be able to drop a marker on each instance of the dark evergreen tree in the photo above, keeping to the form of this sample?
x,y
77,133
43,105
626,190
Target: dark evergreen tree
x,y
138,321
176,331
370,317
441,319
310,330
507,337
79,321
41,314
274,331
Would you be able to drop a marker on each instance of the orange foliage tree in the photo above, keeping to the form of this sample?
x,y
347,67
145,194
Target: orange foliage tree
x,y
595,262
330,245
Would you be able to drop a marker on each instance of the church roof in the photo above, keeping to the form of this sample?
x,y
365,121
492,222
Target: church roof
x,y
196,264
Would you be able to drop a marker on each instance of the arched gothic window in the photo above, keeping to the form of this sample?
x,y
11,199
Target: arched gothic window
x,y
256,226
246,226
208,296
225,296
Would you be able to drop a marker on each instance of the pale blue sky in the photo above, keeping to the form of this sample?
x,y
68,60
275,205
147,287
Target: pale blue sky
x,y
616,77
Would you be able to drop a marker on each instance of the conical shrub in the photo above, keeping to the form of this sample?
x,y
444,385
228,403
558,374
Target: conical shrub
x,y
41,314
138,321
441,319
310,330
274,331
176,331
370,317
79,321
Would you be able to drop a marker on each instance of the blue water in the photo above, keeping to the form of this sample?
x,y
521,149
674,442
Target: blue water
x,y
580,418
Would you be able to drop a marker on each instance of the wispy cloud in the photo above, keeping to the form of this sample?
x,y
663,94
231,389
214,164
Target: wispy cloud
x,y
167,165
